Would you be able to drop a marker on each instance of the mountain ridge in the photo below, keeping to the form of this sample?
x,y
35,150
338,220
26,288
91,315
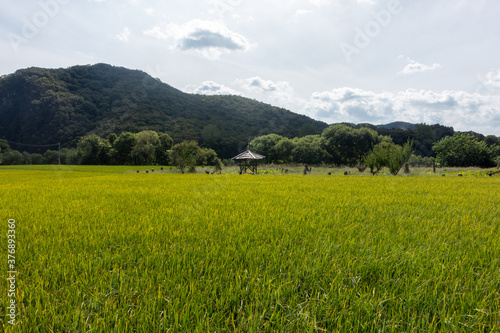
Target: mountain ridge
x,y
43,106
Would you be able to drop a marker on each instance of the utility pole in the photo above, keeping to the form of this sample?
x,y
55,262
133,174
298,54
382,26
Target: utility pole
x,y
59,153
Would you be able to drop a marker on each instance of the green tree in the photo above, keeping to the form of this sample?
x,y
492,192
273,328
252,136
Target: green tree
x,y
347,145
166,142
492,140
419,161
209,157
4,146
463,150
424,139
387,154
265,145
112,138
27,158
13,157
283,150
378,158
73,157
93,150
366,140
146,144
398,156
122,149
308,150
52,157
186,154
37,159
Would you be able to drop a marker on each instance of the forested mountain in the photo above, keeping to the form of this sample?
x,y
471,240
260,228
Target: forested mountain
x,y
45,106
398,125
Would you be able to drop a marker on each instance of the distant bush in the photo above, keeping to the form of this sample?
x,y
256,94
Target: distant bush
x,y
13,157
419,161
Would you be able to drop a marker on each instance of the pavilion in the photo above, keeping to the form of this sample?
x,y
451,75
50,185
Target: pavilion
x,y
248,161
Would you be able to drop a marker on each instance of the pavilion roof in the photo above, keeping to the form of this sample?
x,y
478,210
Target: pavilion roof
x,y
248,155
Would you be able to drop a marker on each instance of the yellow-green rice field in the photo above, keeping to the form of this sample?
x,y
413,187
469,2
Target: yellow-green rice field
x,y
101,251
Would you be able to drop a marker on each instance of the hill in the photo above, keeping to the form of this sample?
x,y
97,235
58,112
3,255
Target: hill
x,y
398,125
45,106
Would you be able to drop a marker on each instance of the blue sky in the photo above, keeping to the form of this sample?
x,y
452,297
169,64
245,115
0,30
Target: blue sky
x,y
338,61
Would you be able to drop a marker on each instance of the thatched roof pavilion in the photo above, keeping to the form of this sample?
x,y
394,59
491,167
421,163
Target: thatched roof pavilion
x,y
248,161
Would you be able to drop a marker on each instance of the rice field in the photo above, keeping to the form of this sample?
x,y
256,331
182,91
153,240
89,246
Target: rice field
x,y
102,251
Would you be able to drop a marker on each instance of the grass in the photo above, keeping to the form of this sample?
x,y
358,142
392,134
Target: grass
x,y
263,169
103,251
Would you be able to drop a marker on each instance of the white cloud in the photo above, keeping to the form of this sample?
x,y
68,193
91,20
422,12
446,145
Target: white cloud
x,y
302,12
124,35
209,38
460,109
276,93
415,67
260,85
366,2
301,51
492,79
213,88
318,3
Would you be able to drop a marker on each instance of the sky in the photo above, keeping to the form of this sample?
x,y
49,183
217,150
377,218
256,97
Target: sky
x,y
375,61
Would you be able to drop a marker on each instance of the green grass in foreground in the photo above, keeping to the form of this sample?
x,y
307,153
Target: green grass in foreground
x,y
105,252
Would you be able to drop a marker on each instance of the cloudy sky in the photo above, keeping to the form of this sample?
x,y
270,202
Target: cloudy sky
x,y
377,61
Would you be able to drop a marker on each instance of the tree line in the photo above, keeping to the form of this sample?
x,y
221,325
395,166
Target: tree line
x,y
339,144
143,148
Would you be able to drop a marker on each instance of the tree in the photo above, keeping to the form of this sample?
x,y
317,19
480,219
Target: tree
x,y
419,161
463,150
93,150
492,140
398,156
347,145
112,138
122,149
13,157
37,159
366,140
424,139
146,144
186,154
387,154
265,145
283,150
4,146
52,157
166,142
308,150
72,157
27,158
209,157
